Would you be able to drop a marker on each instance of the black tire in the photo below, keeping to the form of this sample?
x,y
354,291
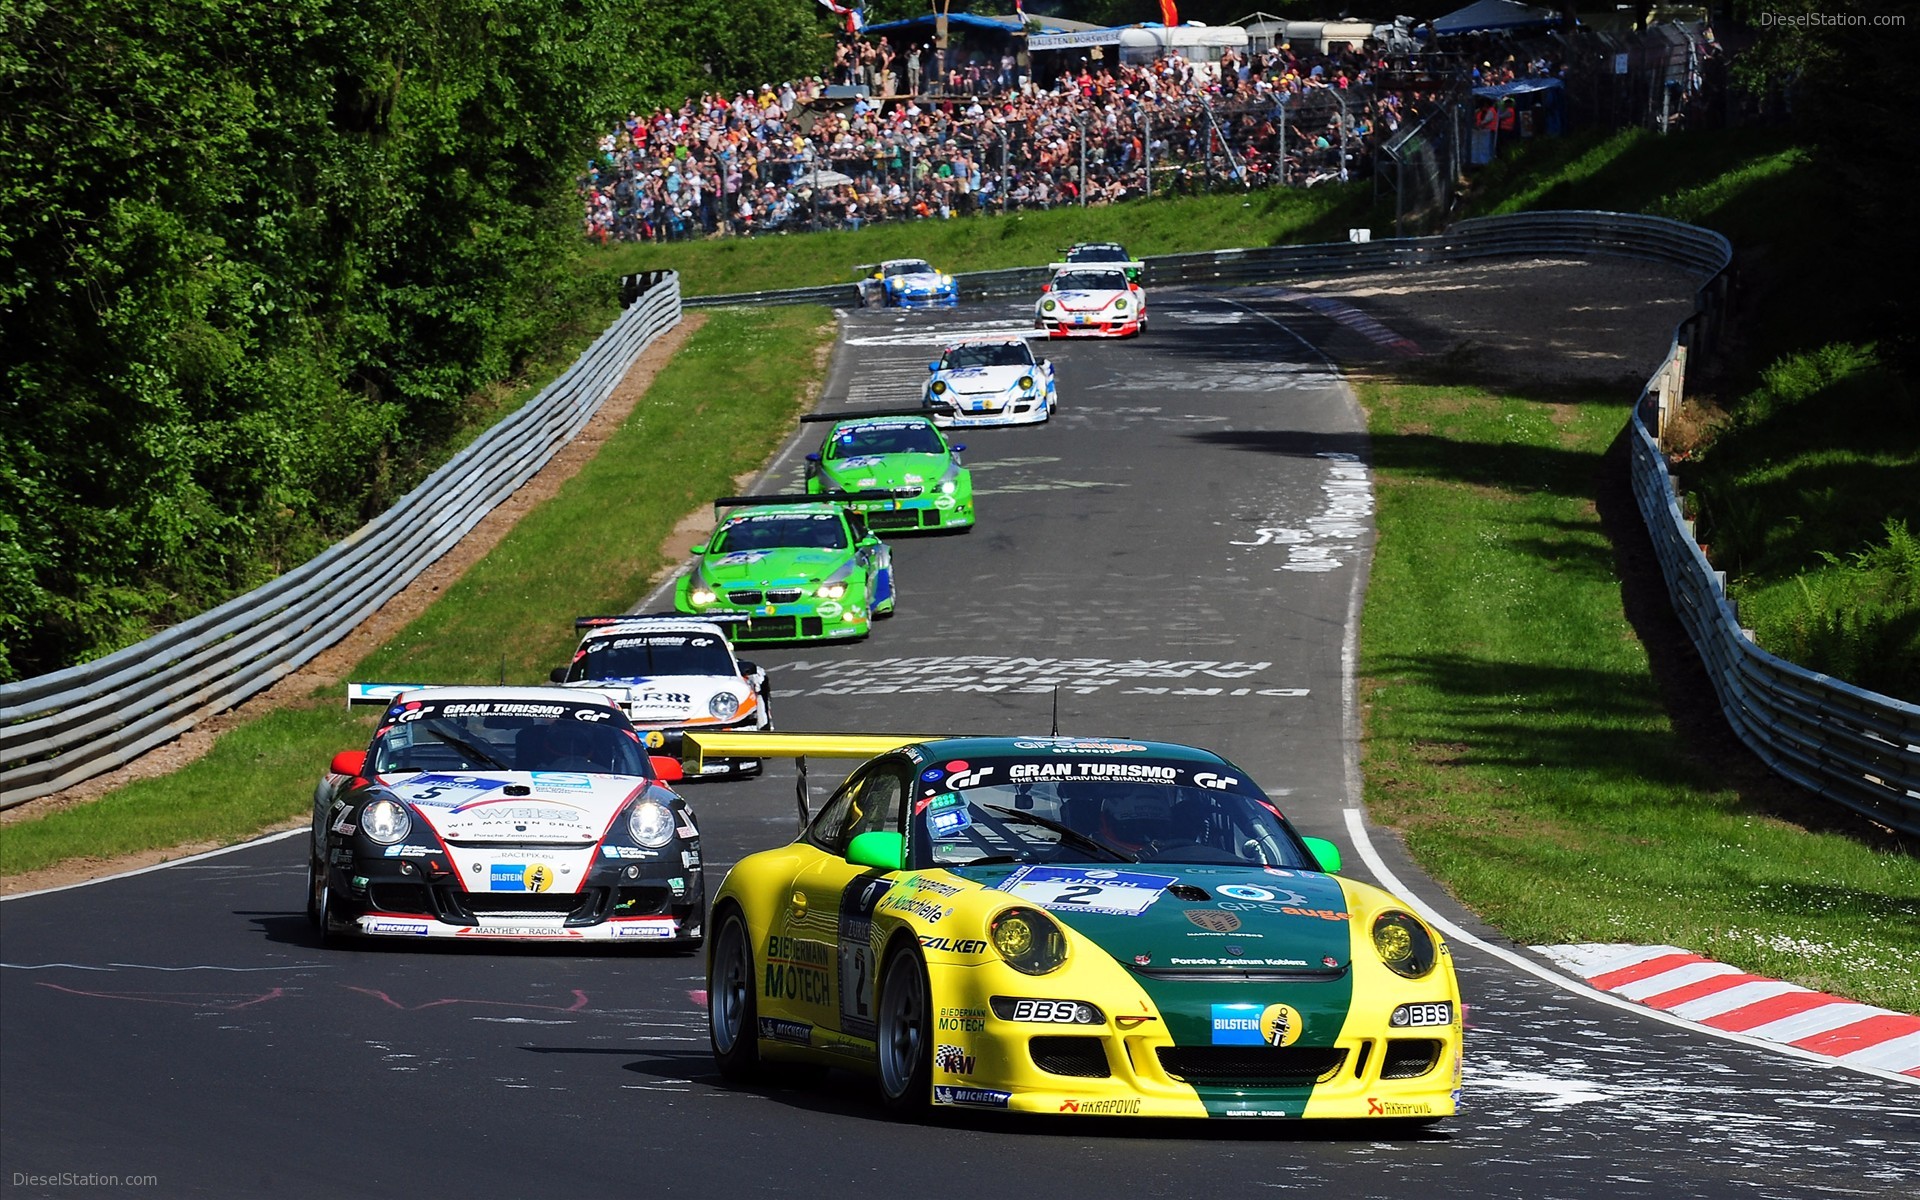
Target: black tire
x,y
904,1046
316,887
733,1023
330,917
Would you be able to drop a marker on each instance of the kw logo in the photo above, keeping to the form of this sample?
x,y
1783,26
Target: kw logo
x,y
954,1060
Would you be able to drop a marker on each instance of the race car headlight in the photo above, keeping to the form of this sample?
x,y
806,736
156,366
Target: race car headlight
x,y
1403,944
831,591
939,387
1026,383
702,596
1047,306
946,487
651,823
724,705
386,821
1120,304
1028,940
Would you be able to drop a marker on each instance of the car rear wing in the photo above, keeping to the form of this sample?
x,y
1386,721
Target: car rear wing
x,y
816,497
1132,264
384,694
661,618
856,414
696,745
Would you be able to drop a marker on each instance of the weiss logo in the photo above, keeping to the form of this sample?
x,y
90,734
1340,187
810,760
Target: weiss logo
x,y
967,779
1208,779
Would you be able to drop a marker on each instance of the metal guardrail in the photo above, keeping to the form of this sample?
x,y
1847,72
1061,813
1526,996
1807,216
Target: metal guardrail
x,y
1856,748
61,728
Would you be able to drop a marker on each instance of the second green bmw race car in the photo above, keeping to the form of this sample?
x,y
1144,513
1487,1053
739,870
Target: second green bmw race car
x,y
798,567
900,450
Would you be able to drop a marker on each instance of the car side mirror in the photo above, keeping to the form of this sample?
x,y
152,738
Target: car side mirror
x,y
700,549
814,457
1045,288
1325,853
558,674
668,769
933,366
878,849
348,762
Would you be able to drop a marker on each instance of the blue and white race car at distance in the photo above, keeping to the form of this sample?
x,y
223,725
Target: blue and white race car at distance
x,y
906,283
990,383
1091,301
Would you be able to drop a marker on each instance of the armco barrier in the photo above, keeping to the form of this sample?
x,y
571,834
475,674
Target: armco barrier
x,y
64,727
1856,748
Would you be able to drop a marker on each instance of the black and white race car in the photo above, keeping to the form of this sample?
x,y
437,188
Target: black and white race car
x,y
676,673
504,813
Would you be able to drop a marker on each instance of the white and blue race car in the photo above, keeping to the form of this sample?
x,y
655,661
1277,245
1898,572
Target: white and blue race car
x,y
906,283
990,383
670,674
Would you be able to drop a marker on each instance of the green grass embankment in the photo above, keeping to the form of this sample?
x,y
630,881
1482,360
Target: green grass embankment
x,y
717,410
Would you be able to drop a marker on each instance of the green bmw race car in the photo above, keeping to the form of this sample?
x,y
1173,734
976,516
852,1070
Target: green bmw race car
x,y
899,450
798,567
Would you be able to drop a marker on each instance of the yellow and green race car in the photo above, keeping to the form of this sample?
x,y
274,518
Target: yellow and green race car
x,y
1074,925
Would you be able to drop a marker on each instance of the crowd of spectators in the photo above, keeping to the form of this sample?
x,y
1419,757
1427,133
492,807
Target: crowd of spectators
x,y
984,134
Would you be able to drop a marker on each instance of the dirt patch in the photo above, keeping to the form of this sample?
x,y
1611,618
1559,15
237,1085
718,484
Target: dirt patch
x,y
328,671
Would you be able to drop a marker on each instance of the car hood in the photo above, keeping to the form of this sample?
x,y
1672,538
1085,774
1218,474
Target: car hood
x,y
772,567
973,380
560,808
923,281
1198,920
886,471
1087,300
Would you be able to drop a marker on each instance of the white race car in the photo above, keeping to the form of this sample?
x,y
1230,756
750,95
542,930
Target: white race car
x,y
675,673
522,813
990,383
1091,301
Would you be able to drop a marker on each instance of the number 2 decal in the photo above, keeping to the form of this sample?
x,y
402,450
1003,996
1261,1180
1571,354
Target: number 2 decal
x,y
1078,893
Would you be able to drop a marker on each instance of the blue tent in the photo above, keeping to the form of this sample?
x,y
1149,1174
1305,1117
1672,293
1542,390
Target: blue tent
x,y
1493,15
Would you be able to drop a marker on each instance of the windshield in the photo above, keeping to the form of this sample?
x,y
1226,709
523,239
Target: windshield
x,y
1090,281
1171,812
988,354
1097,254
902,437
643,656
908,266
779,531
506,735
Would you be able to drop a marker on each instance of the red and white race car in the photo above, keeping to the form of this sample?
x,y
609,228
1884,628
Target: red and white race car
x,y
1091,300
524,813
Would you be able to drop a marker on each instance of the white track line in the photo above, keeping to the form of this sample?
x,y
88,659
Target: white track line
x,y
177,862
1357,829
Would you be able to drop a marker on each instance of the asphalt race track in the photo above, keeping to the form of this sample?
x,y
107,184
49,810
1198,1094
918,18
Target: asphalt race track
x,y
1180,553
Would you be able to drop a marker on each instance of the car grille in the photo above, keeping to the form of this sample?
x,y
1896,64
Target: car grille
x,y
1409,1058
400,897
1252,1066
904,518
771,596
1081,1057
771,628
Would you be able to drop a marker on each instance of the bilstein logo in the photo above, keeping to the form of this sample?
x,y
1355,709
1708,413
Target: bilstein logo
x,y
1213,919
